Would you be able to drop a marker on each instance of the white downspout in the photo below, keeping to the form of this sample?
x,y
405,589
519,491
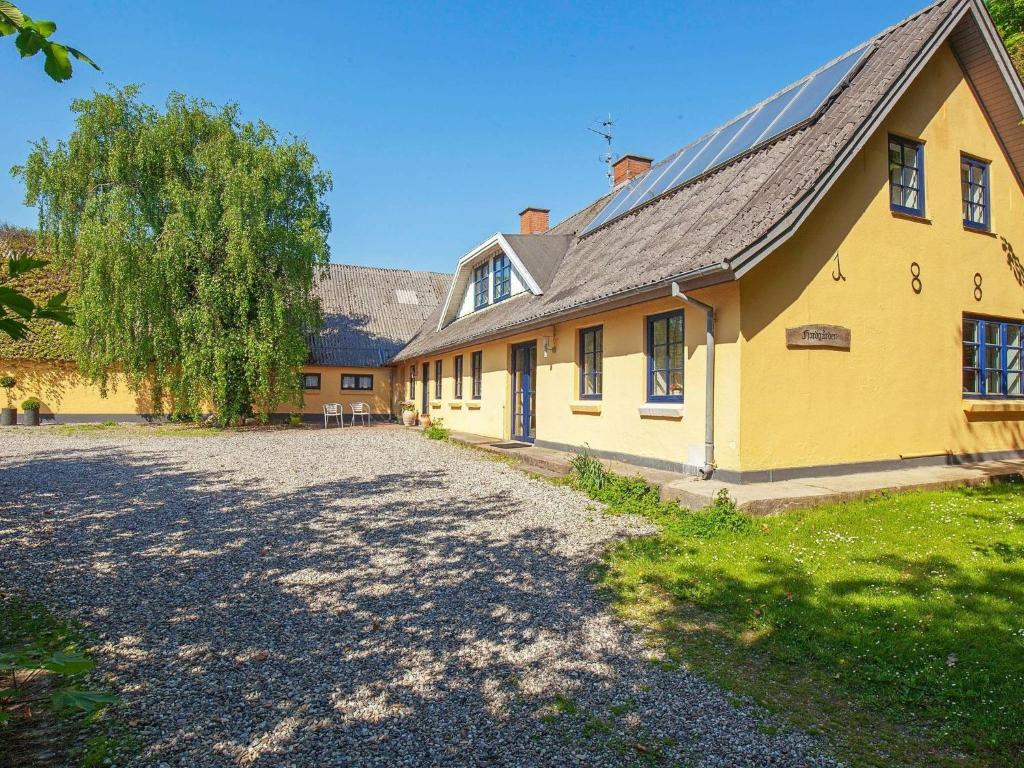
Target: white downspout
x,y
709,381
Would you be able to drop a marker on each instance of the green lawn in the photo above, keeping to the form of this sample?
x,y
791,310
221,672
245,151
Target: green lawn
x,y
893,627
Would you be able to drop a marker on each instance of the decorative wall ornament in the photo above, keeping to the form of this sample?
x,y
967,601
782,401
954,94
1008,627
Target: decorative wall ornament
x,y
915,277
977,286
837,271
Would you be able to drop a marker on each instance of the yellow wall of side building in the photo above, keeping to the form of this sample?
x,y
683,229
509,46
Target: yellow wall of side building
x,y
63,391
613,424
897,392
379,398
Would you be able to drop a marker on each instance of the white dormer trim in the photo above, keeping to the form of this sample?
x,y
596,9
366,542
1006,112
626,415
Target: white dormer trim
x,y
465,265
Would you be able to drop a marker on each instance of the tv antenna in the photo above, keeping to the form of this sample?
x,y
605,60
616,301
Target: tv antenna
x,y
605,132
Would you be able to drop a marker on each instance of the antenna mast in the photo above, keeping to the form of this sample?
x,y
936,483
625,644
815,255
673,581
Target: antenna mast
x,y
608,158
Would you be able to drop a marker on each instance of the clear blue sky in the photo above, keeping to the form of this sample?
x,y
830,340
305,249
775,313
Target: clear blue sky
x,y
439,122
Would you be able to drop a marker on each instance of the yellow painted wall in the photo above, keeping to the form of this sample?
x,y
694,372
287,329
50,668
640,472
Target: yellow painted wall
x,y
618,426
61,389
897,392
379,400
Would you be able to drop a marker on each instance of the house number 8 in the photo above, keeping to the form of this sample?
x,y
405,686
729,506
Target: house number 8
x,y
915,277
977,286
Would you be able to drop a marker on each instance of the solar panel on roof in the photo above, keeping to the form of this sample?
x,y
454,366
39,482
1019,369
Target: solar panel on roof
x,y
794,105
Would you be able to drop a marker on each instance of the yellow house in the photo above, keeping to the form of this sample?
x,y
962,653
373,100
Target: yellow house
x,y
827,283
369,314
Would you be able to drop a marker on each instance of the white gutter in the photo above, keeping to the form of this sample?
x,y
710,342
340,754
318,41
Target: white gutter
x,y
709,381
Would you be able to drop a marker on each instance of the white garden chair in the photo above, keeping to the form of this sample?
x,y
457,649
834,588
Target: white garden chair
x,y
361,410
335,410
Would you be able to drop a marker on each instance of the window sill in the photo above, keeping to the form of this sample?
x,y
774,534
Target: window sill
x,y
473,406
585,406
993,406
979,230
662,411
910,217
455,404
436,403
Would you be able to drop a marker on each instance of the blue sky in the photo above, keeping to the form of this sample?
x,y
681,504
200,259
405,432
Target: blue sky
x,y
439,122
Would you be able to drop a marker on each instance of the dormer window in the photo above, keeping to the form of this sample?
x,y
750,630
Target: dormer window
x,y
481,277
502,277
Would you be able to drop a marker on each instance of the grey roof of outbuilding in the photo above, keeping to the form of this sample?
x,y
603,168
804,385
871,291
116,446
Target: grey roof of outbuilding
x,y
366,322
712,224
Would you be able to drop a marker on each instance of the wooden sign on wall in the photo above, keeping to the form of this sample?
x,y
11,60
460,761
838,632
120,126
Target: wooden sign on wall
x,y
830,336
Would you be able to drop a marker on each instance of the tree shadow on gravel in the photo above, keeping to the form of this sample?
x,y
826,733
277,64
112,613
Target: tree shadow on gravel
x,y
379,621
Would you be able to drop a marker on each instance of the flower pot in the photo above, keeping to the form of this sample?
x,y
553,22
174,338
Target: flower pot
x,y
32,418
425,420
8,417
408,418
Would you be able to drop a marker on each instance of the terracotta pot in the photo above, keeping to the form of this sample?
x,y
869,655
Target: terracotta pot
x,y
425,420
8,417
408,418
32,418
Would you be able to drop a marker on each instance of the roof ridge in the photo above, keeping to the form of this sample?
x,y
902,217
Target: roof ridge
x,y
389,269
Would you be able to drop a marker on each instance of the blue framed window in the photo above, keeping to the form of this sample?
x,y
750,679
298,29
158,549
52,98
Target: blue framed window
x,y
355,381
457,367
666,350
974,192
437,379
477,371
906,176
502,277
993,357
591,362
480,281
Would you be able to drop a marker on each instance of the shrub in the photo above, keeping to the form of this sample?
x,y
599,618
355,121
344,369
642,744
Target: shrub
x,y
635,496
295,419
437,430
7,383
30,404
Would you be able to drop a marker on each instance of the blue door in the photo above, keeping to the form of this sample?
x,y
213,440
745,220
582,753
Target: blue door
x,y
524,393
426,388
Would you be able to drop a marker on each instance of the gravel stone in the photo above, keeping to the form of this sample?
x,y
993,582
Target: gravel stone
x,y
353,597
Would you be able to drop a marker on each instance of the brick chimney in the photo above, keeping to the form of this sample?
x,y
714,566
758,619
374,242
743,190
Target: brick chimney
x,y
533,221
629,166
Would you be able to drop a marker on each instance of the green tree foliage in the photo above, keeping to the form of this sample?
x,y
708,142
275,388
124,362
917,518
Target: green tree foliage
x,y
192,239
21,309
1009,18
33,36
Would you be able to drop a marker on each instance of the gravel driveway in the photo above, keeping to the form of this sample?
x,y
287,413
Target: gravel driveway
x,y
352,597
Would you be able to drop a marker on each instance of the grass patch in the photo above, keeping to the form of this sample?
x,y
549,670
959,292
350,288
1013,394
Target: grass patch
x,y
114,429
50,712
893,626
437,430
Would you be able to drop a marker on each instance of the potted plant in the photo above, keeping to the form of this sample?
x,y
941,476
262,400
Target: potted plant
x,y
31,408
9,415
408,413
425,420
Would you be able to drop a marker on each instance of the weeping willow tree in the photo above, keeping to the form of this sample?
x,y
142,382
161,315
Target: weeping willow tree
x,y
191,238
